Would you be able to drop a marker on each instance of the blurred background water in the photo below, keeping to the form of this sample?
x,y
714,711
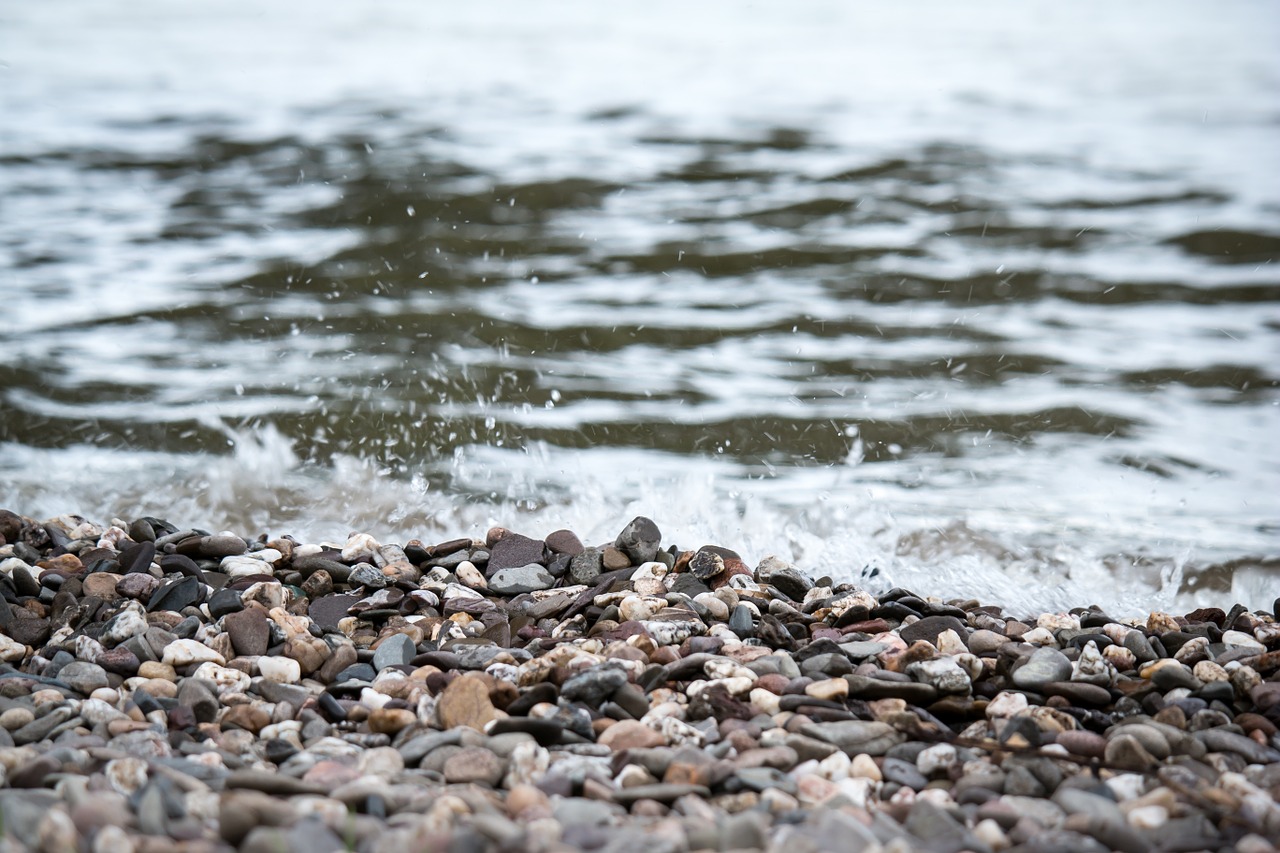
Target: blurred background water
x,y
978,298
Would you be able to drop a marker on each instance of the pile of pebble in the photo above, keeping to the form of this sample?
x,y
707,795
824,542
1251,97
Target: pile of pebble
x,y
174,689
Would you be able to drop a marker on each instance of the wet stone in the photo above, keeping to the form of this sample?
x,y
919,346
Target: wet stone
x,y
515,581
396,650
639,540
564,542
225,601
249,631
929,628
1044,666
706,565
593,686
328,611
513,551
83,677
175,595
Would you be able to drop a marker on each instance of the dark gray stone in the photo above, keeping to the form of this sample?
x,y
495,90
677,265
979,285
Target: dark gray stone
x,y
1136,642
513,551
327,611
587,566
225,601
639,540
930,627
593,686
83,677
176,595
396,650
1044,666
137,558
856,736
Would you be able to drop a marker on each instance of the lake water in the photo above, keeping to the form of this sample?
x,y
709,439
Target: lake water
x,y
975,298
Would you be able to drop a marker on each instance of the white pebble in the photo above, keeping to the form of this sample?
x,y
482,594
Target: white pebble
x,y
1148,817
11,650
768,703
280,669
242,566
361,547
836,766
937,757
225,679
989,833
1006,704
1040,637
863,766
1127,786
183,652
1241,640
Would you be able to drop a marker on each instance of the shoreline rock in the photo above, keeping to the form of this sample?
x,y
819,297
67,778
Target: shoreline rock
x,y
185,689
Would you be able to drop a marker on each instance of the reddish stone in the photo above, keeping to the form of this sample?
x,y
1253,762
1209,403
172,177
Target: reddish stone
x,y
871,626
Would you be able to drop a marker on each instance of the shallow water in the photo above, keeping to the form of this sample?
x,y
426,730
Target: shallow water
x,y
971,298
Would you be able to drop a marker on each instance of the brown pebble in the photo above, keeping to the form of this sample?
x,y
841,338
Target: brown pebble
x,y
465,702
390,721
615,558
248,717
630,734
526,802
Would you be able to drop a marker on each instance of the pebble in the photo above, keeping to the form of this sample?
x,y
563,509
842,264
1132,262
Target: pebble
x,y
524,693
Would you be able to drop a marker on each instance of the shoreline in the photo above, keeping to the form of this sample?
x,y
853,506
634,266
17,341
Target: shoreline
x,y
166,688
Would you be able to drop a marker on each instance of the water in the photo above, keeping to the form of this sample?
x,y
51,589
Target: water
x,y
974,298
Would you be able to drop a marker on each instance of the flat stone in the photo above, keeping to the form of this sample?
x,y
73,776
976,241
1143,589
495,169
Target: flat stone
x,y
225,601
1217,740
249,632
395,650
327,611
916,693
137,557
564,542
175,595
181,653
662,792
513,551
929,628
1044,666
279,669
630,734
214,547
1078,692
593,686
83,677
586,567
270,783
119,660
465,702
1127,753
544,731
856,736
706,564
474,765
515,581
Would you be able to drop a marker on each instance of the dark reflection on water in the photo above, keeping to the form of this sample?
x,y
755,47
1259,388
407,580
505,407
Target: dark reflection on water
x,y
937,312
416,302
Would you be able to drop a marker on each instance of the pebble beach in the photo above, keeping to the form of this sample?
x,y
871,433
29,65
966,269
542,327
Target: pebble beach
x,y
166,688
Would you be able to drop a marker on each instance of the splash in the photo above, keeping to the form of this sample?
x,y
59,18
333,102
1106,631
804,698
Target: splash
x,y
261,486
